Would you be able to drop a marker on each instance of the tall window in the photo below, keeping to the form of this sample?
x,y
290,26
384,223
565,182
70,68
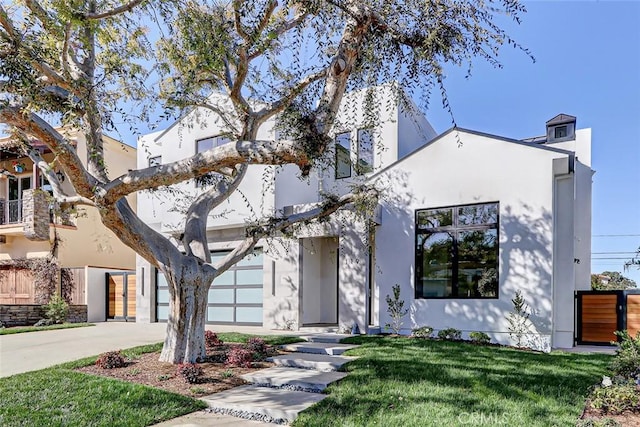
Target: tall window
x,y
365,151
343,155
457,252
209,143
210,178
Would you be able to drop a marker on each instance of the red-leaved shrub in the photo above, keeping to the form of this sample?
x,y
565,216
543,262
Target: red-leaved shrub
x,y
110,360
257,347
191,372
211,339
239,356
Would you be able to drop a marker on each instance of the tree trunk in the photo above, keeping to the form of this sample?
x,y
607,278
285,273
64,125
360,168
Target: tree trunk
x,y
184,342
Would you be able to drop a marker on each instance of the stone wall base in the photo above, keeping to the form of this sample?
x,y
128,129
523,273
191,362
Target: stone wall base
x,y
29,314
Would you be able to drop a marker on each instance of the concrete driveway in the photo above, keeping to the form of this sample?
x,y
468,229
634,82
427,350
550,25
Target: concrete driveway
x,y
36,350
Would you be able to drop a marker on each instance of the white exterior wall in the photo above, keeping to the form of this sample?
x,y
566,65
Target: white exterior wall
x,y
520,178
165,212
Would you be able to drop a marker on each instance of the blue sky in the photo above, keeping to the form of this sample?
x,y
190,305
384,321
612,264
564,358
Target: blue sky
x,y
587,65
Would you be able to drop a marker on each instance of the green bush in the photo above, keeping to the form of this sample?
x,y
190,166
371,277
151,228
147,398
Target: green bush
x,y
626,362
56,309
479,338
451,334
422,332
616,398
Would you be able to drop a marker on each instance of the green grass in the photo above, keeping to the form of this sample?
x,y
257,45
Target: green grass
x,y
408,382
59,396
24,329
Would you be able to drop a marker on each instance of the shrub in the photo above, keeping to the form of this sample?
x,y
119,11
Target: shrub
x,y
56,309
257,347
43,322
191,372
239,356
1,325
518,319
451,334
422,332
211,339
396,310
110,360
616,398
626,362
479,338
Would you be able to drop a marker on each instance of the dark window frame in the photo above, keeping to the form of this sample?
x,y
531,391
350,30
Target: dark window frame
x,y
347,150
454,229
363,170
561,132
155,161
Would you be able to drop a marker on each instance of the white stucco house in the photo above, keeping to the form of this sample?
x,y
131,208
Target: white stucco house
x,y
466,219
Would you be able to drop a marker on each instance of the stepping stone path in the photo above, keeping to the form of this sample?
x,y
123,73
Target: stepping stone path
x,y
278,394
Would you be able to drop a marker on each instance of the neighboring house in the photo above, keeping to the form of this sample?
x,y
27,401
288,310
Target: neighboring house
x,y
466,219
29,226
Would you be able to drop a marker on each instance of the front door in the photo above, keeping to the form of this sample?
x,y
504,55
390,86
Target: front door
x,y
121,296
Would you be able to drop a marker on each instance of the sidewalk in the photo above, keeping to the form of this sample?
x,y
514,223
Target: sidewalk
x,y
37,350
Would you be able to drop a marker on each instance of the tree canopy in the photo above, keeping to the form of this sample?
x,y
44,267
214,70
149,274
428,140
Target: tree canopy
x,y
90,65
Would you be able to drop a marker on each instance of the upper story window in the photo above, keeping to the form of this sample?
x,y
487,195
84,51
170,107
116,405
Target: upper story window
x,y
211,142
364,163
561,128
457,252
155,161
343,155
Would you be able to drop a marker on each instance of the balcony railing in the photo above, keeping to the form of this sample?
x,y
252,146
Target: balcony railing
x,y
10,212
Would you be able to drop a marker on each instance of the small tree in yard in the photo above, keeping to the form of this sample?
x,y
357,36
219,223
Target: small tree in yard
x,y
85,65
396,310
518,319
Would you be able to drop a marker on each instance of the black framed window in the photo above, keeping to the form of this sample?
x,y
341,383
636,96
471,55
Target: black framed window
x,y
364,164
457,252
343,155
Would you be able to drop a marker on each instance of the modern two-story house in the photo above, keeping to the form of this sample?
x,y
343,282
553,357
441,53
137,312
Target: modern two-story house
x,y
465,219
29,225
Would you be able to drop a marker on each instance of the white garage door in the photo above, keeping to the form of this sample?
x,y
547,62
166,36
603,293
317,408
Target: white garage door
x,y
235,297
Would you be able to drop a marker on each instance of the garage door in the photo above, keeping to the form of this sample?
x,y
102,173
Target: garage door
x,y
235,297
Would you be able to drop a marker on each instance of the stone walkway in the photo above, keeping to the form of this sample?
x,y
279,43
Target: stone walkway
x,y
278,394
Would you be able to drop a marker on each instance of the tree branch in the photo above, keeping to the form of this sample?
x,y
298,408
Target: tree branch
x,y
271,226
127,7
58,193
281,104
225,156
195,234
32,124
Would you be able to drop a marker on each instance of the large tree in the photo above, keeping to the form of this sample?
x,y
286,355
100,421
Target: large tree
x,y
75,62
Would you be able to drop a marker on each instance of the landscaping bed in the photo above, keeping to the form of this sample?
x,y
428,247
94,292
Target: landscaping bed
x,y
148,370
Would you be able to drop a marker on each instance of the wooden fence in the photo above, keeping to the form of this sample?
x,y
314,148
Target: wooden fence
x,y
17,286
601,313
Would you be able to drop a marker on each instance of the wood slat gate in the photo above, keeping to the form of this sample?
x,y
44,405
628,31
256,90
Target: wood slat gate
x,y
121,296
601,313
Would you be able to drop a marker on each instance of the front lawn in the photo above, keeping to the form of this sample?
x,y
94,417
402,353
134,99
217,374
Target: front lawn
x,y
23,329
411,382
61,396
